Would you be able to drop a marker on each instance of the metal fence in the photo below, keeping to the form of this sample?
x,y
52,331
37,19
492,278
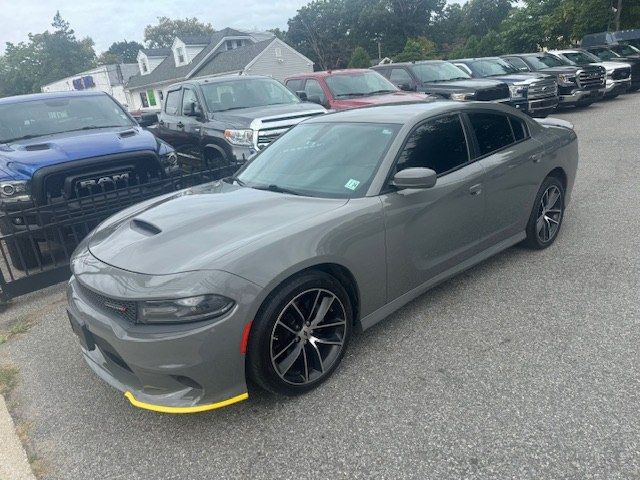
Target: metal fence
x,y
37,238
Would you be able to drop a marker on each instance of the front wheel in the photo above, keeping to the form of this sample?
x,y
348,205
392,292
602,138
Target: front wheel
x,y
300,336
547,214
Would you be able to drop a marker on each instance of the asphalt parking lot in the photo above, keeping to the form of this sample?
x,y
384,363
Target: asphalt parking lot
x,y
526,366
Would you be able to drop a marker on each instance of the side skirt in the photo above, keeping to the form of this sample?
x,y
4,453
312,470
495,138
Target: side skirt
x,y
383,312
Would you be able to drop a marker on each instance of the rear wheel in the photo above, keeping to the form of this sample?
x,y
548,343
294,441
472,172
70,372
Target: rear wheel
x,y
547,214
300,336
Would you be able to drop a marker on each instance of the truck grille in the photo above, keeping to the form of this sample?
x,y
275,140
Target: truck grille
x,y
124,309
543,89
271,128
591,79
497,93
621,74
81,178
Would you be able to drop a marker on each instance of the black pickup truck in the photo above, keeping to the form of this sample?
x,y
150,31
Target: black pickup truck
x,y
444,79
223,121
577,86
533,93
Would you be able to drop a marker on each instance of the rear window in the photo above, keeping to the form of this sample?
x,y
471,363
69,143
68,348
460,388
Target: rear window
x,y
493,131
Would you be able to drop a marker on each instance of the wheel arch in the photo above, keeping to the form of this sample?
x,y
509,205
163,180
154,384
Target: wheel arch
x,y
560,174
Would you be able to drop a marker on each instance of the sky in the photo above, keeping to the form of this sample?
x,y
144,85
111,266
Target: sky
x,y
107,21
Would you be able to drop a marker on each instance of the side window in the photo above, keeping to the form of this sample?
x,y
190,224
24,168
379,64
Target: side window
x,y
438,144
295,85
314,92
518,63
189,96
520,130
383,71
399,76
462,66
172,103
493,131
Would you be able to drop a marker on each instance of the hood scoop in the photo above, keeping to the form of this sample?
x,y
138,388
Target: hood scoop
x,y
145,228
127,134
37,147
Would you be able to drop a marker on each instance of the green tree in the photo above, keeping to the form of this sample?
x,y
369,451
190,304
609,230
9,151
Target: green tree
x,y
44,58
278,33
419,48
360,59
121,52
163,34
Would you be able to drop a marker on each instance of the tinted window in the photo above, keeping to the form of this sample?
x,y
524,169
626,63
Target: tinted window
x,y
518,63
400,76
295,85
492,131
438,144
188,98
520,130
314,92
172,103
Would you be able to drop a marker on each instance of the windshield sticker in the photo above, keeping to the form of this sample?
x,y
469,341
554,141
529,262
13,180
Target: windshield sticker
x,y
352,184
386,131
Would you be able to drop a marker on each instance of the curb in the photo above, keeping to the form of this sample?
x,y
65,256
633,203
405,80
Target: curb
x,y
14,464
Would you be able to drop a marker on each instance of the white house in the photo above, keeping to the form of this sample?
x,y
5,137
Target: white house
x,y
107,78
228,51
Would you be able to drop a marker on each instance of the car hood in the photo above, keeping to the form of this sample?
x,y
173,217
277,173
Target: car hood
x,y
192,229
243,117
22,158
468,85
396,97
521,78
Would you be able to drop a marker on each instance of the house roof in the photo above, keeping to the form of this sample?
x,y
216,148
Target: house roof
x,y
195,39
156,52
226,61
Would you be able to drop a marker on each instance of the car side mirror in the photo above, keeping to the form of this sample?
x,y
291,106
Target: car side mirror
x,y
523,69
302,95
415,178
192,110
316,99
406,87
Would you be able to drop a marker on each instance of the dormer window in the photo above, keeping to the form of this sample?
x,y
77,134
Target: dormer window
x,y
231,44
145,68
180,52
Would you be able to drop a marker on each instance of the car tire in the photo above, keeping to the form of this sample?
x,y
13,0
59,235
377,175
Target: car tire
x,y
286,353
546,216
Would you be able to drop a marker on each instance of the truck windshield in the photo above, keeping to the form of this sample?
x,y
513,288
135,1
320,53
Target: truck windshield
x,y
438,72
544,61
331,160
580,58
48,116
491,67
624,50
359,84
245,93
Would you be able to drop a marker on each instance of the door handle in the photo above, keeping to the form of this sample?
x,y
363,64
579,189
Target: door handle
x,y
475,189
180,125
536,158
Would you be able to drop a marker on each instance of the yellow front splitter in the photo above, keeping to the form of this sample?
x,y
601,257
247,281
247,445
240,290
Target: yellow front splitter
x,y
198,408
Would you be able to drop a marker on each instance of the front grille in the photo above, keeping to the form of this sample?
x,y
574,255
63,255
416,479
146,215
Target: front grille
x,y
82,178
126,310
490,94
621,74
543,89
591,79
271,128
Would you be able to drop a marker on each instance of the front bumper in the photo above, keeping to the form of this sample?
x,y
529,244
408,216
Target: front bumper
x,y
538,106
580,96
181,368
616,87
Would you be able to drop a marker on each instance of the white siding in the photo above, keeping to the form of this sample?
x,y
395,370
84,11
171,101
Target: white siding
x,y
287,63
154,62
193,51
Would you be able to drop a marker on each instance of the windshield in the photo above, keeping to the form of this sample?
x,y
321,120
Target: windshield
x,y
625,50
544,61
49,116
491,67
359,84
580,58
438,72
605,54
245,93
335,160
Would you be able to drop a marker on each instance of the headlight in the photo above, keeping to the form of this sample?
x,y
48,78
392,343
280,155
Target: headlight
x,y
518,91
239,137
169,159
189,309
566,78
14,190
461,97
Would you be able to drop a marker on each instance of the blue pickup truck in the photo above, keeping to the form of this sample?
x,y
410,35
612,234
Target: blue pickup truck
x,y
57,148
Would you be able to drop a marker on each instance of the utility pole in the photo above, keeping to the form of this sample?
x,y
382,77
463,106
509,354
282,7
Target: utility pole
x,y
617,17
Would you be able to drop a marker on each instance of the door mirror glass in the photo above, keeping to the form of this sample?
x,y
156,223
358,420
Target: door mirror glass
x,y
417,177
302,95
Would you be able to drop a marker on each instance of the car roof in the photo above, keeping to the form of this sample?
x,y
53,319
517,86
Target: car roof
x,y
401,113
412,63
474,59
48,96
328,73
222,78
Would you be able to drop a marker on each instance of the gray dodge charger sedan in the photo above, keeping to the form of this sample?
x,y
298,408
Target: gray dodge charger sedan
x,y
180,300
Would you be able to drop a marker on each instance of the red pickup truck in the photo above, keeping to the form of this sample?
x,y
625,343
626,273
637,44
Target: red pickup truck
x,y
351,88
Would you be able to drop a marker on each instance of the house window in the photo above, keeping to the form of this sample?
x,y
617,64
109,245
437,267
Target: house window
x,y
143,99
181,58
229,44
160,95
278,52
144,67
